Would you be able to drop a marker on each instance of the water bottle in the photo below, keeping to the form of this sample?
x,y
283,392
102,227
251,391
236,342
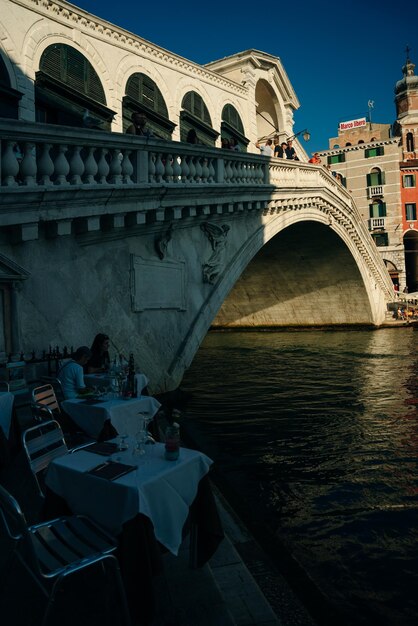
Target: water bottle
x,y
172,442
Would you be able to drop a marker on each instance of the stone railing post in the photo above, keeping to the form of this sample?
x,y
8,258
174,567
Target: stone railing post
x,y
219,170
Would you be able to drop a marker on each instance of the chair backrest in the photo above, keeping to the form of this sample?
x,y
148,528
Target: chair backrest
x,y
42,444
11,515
45,394
4,385
56,384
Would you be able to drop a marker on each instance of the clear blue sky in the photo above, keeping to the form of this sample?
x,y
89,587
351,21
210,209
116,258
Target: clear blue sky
x,y
338,55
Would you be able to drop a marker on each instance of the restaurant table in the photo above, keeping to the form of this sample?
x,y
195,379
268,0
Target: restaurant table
x,y
104,380
91,414
9,428
150,504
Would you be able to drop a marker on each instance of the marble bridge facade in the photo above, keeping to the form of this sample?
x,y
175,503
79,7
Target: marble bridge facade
x,y
154,242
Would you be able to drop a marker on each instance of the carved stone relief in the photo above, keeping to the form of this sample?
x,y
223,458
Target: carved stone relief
x,y
217,236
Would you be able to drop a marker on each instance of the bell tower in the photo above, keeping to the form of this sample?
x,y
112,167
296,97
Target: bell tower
x,y
406,101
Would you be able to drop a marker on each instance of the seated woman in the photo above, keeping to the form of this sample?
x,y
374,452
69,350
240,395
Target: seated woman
x,y
99,360
71,373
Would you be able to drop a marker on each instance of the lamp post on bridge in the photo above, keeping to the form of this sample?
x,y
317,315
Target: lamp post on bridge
x,y
305,133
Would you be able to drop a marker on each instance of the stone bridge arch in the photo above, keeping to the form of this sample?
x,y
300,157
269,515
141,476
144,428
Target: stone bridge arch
x,y
290,269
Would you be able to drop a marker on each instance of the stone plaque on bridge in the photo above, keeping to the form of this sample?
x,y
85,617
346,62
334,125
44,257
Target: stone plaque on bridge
x,y
157,284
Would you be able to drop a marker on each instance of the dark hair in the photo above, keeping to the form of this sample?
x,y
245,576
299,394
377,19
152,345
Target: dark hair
x,y
98,342
82,351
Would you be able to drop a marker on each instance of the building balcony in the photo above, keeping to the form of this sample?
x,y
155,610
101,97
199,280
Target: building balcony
x,y
377,223
376,191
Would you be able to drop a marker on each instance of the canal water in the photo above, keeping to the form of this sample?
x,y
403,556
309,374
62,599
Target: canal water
x,y
316,434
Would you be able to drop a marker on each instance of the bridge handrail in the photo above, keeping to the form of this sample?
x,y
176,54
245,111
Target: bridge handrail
x,y
39,155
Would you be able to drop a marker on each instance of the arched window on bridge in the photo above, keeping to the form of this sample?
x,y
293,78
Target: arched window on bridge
x,y
68,90
143,95
410,142
376,177
9,98
195,115
232,127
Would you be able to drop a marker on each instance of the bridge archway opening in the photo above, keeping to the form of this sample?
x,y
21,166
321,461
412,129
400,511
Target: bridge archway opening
x,y
267,118
304,276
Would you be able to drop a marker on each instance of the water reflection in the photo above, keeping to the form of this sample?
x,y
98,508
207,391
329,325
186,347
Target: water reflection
x,y
317,432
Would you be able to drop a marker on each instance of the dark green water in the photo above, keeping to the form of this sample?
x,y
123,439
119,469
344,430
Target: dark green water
x,y
316,433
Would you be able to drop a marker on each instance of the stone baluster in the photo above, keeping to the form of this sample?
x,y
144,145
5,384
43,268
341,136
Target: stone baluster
x,y
9,164
240,172
28,167
127,168
159,169
205,170
151,167
168,176
177,173
102,167
76,166
211,177
90,167
234,171
192,168
115,170
185,170
198,176
228,171
61,166
45,165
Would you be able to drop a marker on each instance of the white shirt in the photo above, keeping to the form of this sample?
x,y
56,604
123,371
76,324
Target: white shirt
x,y
71,376
266,151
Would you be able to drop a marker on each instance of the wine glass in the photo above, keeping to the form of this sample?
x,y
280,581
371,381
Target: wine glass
x,y
147,420
139,447
122,441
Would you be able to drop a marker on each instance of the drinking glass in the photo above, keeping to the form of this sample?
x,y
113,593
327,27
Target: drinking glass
x,y
122,441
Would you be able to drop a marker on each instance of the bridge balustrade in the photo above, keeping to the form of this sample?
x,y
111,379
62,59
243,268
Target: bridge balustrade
x,y
38,155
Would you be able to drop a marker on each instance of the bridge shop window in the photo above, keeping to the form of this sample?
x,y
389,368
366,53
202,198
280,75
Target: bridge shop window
x,y
232,126
377,209
380,239
411,211
9,98
408,180
195,115
68,90
336,158
142,95
376,177
374,152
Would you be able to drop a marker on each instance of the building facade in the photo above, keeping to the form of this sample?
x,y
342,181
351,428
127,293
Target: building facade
x,y
378,163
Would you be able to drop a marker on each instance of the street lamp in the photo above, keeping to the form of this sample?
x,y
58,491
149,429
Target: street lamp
x,y
306,135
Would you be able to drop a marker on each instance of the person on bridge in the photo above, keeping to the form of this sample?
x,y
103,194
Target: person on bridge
x,y
265,150
290,151
315,159
139,126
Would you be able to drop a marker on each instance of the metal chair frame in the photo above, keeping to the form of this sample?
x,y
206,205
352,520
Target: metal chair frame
x,y
43,443
6,384
45,395
53,550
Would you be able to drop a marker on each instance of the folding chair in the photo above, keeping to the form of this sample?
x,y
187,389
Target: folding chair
x,y
45,406
42,444
45,396
53,550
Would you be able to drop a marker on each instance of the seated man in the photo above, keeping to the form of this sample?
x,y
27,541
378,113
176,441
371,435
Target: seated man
x,y
71,373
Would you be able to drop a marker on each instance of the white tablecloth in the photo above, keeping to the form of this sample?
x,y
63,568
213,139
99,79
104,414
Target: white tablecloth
x,y
124,414
162,490
105,380
6,408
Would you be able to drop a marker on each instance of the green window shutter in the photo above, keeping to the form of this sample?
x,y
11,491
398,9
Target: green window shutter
x,y
382,178
369,180
51,62
371,206
380,151
382,209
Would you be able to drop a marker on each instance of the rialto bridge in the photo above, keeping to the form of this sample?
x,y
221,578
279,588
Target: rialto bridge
x,y
154,242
